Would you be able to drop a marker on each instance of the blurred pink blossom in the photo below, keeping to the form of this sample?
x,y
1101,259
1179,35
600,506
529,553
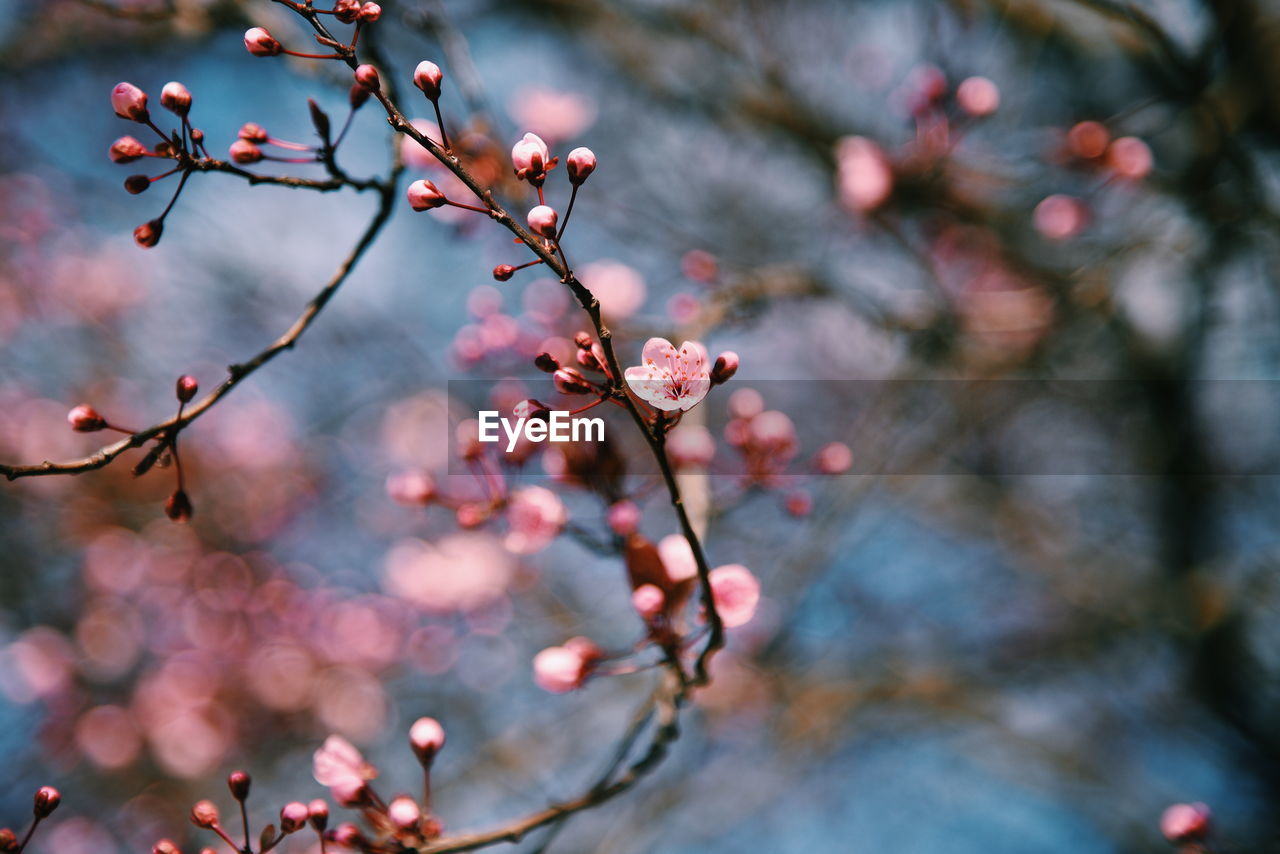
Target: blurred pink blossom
x,y
864,177
554,116
536,516
620,289
736,592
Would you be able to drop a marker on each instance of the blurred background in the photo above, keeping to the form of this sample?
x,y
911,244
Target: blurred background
x,y
1020,256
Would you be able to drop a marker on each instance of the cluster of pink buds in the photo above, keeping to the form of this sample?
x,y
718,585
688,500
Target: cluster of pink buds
x,y
294,816
181,145
1090,147
46,801
85,419
259,42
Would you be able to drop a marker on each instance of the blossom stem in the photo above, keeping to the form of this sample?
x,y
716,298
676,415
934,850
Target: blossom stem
x,y
444,138
573,197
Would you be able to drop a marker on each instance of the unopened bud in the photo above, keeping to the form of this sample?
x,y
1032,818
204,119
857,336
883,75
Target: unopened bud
x,y
8,841
175,98
165,846
260,43
347,835
136,184
238,782
85,419
369,13
427,77
129,102
583,340
725,367
542,221
503,272
426,737
318,814
126,149
424,195
546,362
346,10
245,152
580,164
357,96
46,801
569,381
253,132
148,234
186,388
367,76
293,816
1185,822
204,814
404,813
530,409
178,507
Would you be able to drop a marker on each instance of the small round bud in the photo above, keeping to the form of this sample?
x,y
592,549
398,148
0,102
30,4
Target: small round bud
x,y
318,814
1185,822
186,388
648,600
369,13
204,814
175,98
580,164
347,835
148,234
165,846
530,409
136,184
260,43
530,157
834,458
546,362
569,381
8,841
978,96
503,272
178,507
85,419
426,737
367,76
129,102
725,367
253,132
346,11
245,152
624,518
404,813
126,149
427,77
542,221
293,816
582,339
197,136
46,801
238,782
1088,140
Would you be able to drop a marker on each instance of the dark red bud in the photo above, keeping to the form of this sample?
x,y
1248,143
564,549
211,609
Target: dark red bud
x,y
46,801
546,362
136,184
503,272
238,782
186,388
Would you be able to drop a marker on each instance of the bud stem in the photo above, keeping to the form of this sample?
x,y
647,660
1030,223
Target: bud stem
x,y
444,140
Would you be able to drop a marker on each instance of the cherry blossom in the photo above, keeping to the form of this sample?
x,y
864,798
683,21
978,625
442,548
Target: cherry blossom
x,y
671,379
736,593
341,767
536,516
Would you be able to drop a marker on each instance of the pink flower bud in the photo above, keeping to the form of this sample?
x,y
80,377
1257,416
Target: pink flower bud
x,y
129,102
85,419
834,458
46,801
1088,140
8,841
530,408
558,669
530,157
1060,217
426,737
136,184
148,234
357,95
648,600
736,593
245,152
253,132
346,11
178,507
1185,822
542,221
293,816
404,813
238,782
367,76
318,814
175,98
978,96
165,846
624,517
348,835
725,367
424,195
546,362
569,381
260,43
126,149
411,488
204,814
503,272
427,77
186,388
369,13
691,446
580,164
